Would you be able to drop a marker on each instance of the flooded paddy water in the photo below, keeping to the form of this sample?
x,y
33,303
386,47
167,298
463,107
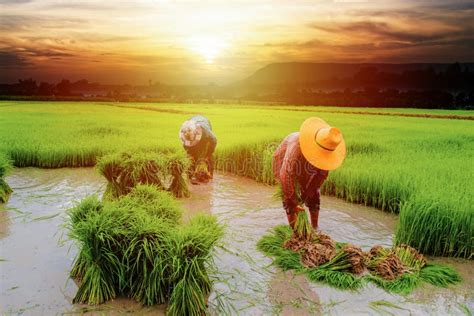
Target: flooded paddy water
x,y
35,260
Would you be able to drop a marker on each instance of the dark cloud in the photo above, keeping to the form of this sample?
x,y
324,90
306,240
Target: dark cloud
x,y
13,60
376,29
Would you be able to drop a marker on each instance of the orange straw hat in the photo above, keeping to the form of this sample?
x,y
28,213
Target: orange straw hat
x,y
321,144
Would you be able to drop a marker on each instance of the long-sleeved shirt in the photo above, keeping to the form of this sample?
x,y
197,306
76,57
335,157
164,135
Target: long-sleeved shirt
x,y
294,173
206,146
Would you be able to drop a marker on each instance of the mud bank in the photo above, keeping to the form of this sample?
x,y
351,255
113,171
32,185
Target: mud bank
x,y
35,263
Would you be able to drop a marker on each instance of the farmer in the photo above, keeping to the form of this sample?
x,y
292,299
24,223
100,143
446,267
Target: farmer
x,y
302,162
199,142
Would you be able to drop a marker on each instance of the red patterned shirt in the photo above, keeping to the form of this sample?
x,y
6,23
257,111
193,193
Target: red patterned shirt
x,y
299,179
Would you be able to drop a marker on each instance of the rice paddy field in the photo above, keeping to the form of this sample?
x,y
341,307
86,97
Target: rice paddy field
x,y
418,167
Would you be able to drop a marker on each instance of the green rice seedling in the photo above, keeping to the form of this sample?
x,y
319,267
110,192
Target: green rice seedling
x,y
98,263
404,284
136,246
156,203
178,164
5,167
89,206
410,257
337,279
407,170
124,171
146,256
439,275
190,293
190,261
96,287
303,228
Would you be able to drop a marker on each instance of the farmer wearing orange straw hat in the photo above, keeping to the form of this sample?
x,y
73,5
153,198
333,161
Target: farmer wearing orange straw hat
x,y
302,162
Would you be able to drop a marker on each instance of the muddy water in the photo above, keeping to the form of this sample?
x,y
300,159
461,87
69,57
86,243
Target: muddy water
x,y
34,265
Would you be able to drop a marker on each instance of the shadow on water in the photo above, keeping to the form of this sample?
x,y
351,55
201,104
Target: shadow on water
x,y
34,266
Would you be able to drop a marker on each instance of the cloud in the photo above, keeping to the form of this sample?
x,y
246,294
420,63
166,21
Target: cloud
x,y
12,60
27,22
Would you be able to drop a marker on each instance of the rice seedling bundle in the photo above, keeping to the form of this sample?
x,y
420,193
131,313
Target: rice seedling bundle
x,y
136,246
399,269
201,172
124,171
5,167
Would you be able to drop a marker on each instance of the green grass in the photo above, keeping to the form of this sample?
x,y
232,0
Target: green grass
x,y
136,246
418,167
337,272
5,167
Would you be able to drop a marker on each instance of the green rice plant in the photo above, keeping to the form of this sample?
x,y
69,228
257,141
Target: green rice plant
x,y
402,169
337,279
125,170
5,167
153,202
190,261
178,164
438,228
145,257
303,228
344,270
91,205
439,275
404,284
136,246
410,257
190,293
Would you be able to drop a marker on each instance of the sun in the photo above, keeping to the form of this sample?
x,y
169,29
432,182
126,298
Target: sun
x,y
208,47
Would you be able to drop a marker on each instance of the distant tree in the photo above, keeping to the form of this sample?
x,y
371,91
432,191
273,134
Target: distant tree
x,y
27,87
64,88
45,89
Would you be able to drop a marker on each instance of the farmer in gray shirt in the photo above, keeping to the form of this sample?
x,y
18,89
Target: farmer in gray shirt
x,y
199,142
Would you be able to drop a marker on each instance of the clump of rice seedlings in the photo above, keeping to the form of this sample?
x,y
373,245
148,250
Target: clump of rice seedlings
x,y
88,206
385,263
177,168
136,246
397,270
315,251
338,279
410,257
439,275
153,202
5,167
124,171
404,284
303,228
201,172
190,261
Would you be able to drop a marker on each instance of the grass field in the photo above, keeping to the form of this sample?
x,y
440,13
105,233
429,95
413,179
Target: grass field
x,y
419,167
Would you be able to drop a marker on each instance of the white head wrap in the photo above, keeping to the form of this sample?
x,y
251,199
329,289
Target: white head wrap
x,y
190,127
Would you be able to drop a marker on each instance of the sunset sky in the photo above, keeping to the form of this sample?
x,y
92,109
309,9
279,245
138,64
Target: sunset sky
x,y
188,42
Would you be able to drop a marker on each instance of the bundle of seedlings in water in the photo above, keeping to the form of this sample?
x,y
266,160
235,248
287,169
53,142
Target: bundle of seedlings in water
x,y
402,268
201,172
5,167
136,246
177,168
399,269
124,171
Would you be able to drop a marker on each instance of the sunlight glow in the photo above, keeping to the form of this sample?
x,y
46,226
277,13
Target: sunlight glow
x,y
208,47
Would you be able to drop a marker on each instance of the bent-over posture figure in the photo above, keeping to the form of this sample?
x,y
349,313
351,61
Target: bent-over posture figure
x,y
199,142
301,164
